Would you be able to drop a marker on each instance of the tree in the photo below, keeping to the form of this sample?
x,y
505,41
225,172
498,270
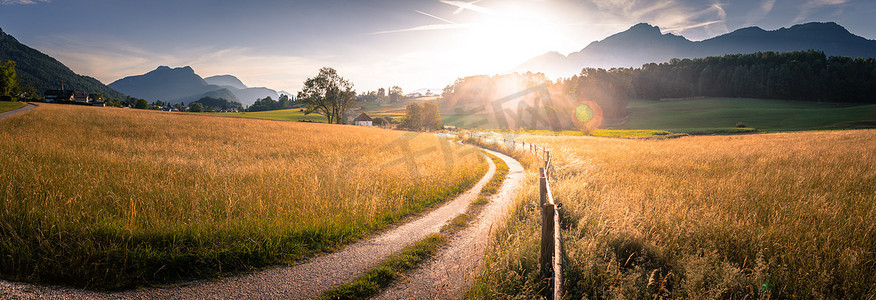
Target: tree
x,y
432,117
284,102
381,121
28,91
413,117
141,104
395,94
264,104
367,97
8,78
196,107
328,94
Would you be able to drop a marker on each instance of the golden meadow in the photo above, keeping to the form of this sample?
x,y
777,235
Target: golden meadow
x,y
113,198
789,215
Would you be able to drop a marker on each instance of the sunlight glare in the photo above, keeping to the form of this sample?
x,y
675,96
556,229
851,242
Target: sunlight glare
x,y
511,35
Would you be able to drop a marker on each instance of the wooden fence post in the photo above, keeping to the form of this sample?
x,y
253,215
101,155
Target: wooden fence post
x,y
547,240
558,256
547,163
542,187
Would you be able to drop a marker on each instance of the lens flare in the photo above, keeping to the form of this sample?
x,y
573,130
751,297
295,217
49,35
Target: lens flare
x,y
587,116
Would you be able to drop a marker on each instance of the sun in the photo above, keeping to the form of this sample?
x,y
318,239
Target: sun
x,y
509,34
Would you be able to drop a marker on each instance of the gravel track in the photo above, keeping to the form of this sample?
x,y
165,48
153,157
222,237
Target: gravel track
x,y
15,112
303,281
451,274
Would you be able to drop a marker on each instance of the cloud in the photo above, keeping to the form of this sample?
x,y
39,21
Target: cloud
x,y
812,6
759,12
22,2
426,28
671,15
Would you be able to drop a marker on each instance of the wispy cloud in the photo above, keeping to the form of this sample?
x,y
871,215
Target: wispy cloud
x,y
759,12
449,25
463,6
22,2
674,16
425,28
813,6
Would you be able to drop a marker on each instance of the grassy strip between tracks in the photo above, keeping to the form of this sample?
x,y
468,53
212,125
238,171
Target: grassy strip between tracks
x,y
375,279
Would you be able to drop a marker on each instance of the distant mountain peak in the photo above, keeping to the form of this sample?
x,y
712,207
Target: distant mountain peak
x,y
185,70
820,28
226,80
643,43
182,84
644,28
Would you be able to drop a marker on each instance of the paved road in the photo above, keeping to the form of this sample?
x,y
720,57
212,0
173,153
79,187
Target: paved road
x,y
17,111
451,274
303,281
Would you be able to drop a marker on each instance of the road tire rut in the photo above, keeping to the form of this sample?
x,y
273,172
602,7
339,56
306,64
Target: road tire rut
x,y
451,274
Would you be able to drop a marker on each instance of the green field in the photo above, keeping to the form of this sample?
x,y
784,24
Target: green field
x,y
764,115
295,114
8,106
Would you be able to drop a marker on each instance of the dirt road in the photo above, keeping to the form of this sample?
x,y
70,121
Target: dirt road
x,y
17,111
447,276
304,281
450,275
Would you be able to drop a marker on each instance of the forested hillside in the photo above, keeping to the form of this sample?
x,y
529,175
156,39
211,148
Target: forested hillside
x,y
43,72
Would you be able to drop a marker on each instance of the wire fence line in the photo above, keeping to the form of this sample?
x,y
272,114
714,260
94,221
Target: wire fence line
x,y
551,254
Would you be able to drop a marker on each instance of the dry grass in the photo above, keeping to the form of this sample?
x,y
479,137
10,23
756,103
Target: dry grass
x,y
112,198
788,215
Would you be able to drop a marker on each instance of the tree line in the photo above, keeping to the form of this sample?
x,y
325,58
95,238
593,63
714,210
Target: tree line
x,y
396,94
268,103
800,75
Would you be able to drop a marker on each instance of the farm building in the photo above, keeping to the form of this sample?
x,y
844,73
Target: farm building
x,y
59,95
81,97
363,120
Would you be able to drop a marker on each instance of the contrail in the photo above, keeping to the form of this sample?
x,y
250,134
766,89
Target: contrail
x,y
436,17
462,5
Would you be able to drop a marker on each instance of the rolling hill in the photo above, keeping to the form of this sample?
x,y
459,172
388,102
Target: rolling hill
x,y
644,43
45,73
246,95
226,81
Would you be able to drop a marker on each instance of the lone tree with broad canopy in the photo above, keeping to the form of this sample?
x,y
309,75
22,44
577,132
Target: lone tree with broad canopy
x,y
328,94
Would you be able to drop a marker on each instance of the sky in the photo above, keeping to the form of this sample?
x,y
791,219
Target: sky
x,y
413,44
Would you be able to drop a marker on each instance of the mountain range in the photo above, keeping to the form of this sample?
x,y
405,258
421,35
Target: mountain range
x,y
184,85
248,95
643,43
46,73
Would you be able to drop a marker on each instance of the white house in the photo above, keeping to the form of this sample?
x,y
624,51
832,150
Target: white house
x,y
363,120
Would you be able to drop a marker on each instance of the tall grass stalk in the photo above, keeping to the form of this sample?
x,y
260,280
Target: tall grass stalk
x,y
113,198
789,215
